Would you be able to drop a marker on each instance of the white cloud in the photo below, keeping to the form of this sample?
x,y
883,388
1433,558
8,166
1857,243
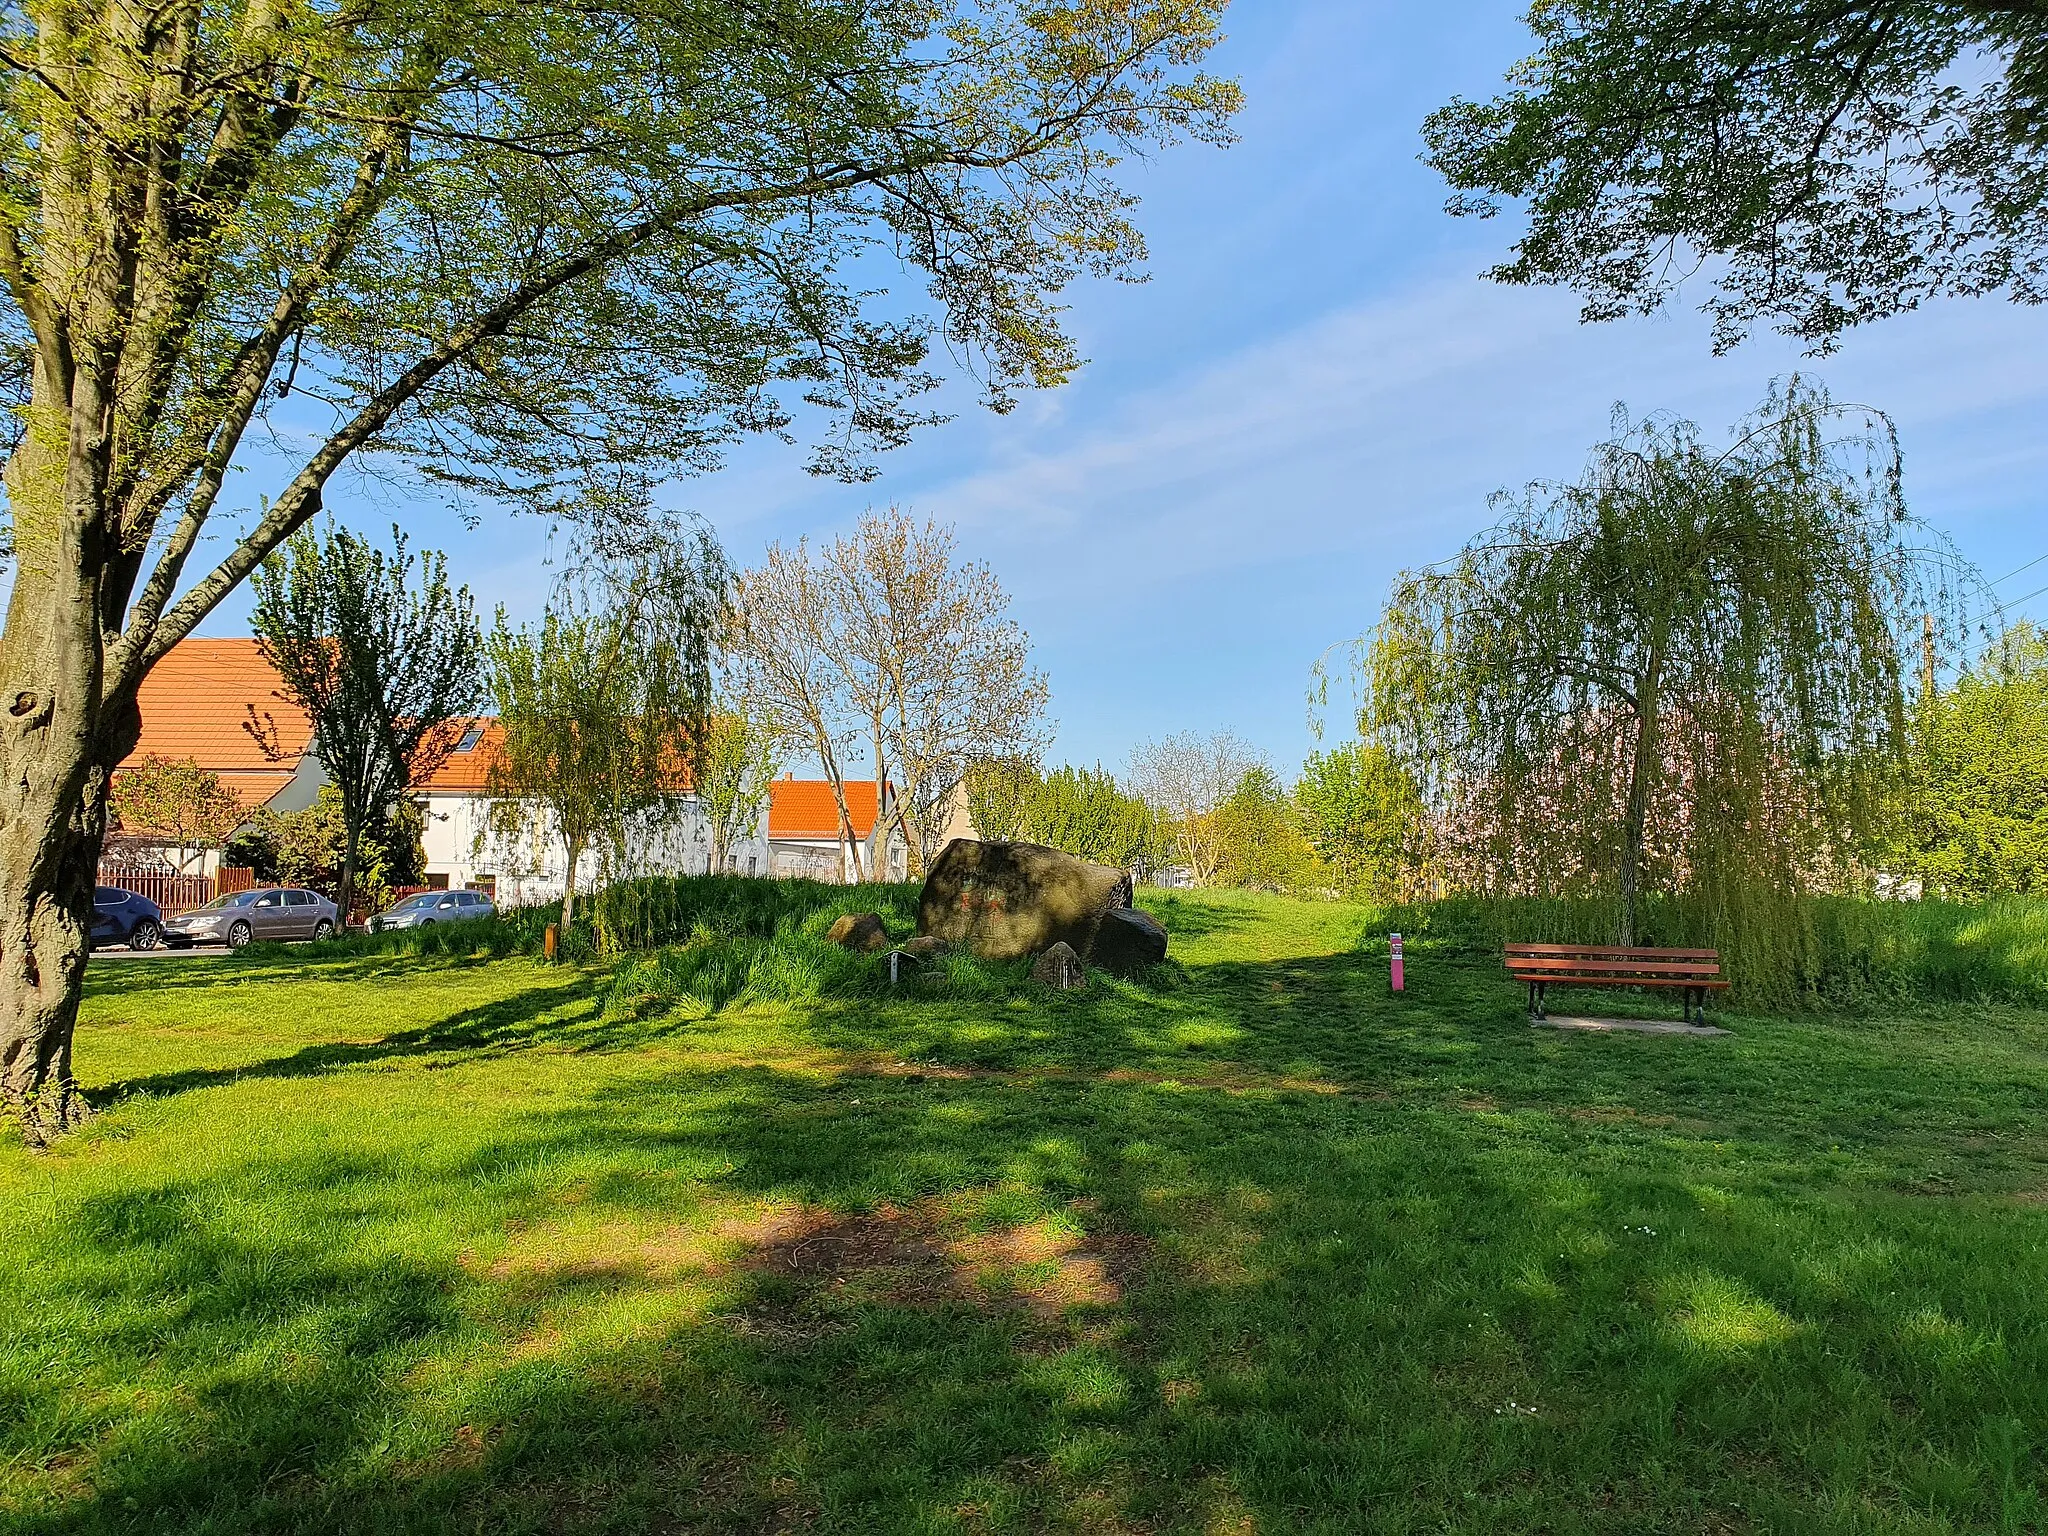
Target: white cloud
x,y
1376,432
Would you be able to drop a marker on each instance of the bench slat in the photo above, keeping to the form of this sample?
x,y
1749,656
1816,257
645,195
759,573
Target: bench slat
x,y
1644,951
1534,966
1627,981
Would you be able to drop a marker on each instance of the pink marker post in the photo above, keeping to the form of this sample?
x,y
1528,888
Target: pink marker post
x,y
1394,949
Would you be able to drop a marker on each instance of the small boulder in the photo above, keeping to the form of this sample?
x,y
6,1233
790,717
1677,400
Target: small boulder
x,y
924,946
1060,968
1128,940
859,931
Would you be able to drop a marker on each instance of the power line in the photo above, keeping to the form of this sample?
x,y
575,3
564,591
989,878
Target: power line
x,y
2008,606
2008,576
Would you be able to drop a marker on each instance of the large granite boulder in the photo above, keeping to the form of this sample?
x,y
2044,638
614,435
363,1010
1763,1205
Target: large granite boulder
x,y
1004,901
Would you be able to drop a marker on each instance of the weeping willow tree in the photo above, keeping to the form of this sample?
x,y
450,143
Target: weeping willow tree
x,y
1682,675
603,710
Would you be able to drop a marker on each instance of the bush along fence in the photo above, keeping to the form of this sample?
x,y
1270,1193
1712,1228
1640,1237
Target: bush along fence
x,y
174,892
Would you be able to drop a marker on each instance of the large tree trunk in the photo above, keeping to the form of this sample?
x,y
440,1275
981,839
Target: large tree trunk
x,y
60,740
49,861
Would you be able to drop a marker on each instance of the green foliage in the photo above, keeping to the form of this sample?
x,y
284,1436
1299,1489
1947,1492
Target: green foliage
x,y
1842,163
1819,954
1261,838
735,767
1681,674
553,254
999,796
305,848
1082,811
378,664
159,802
1975,806
603,707
1364,817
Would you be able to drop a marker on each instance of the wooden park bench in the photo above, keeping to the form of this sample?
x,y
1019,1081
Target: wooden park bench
x,y
1698,971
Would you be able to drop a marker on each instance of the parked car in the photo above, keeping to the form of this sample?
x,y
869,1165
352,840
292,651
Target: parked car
x,y
248,915
430,907
122,917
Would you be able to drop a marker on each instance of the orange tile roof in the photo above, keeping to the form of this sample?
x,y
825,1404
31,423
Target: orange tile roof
x,y
195,703
803,810
469,773
463,773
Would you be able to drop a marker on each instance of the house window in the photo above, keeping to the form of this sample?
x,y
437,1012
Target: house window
x,y
469,740
487,885
437,882
751,861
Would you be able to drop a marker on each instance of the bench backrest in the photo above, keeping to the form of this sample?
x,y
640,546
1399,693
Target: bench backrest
x,y
1537,961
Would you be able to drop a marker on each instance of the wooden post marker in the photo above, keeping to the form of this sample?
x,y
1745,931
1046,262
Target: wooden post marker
x,y
549,940
1394,953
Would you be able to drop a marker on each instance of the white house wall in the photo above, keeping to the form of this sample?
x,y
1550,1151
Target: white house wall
x,y
461,846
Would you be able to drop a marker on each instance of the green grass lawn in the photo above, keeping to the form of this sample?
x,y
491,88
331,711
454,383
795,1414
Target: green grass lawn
x,y
383,1244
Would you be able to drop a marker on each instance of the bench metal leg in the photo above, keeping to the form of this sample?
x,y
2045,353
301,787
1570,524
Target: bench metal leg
x,y
1536,991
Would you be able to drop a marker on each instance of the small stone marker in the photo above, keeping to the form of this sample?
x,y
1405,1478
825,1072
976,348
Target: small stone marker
x,y
1059,967
1394,951
1632,1026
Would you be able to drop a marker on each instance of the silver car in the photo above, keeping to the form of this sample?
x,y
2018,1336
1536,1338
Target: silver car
x,y
250,915
431,907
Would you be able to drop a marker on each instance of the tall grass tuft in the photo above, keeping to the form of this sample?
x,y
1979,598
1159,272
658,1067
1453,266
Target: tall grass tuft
x,y
775,950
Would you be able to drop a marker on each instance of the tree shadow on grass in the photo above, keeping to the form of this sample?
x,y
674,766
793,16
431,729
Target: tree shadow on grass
x,y
1357,1314
1794,1090
143,978
562,1016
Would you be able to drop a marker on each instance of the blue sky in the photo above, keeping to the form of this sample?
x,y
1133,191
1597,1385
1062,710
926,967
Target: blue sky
x,y
1316,389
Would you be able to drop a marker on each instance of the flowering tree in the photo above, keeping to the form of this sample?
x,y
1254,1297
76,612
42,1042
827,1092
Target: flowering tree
x,y
164,803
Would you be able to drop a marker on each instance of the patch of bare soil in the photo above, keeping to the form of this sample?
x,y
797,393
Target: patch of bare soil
x,y
544,1258
913,1256
1618,1114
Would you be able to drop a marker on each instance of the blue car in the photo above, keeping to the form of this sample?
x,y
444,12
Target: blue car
x,y
122,917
